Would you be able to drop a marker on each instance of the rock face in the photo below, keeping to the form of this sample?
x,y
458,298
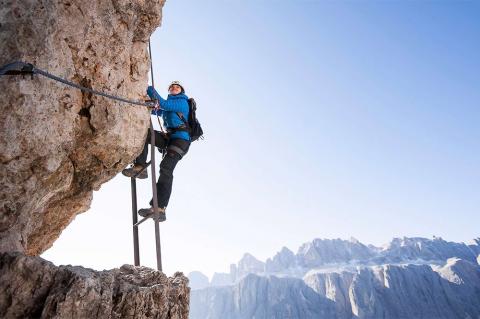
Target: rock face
x,y
325,251
58,144
261,297
284,259
34,288
249,265
407,291
409,278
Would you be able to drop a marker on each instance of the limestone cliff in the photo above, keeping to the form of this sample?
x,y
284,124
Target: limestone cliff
x,y
58,144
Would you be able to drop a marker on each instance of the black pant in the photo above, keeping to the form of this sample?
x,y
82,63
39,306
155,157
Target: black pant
x,y
175,150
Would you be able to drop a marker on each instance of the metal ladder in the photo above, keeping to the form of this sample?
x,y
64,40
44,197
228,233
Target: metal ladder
x,y
133,183
156,218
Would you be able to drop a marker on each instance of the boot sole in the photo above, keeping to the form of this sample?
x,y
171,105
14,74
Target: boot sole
x,y
128,174
163,216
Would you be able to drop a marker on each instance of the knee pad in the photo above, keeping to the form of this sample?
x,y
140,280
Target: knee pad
x,y
172,148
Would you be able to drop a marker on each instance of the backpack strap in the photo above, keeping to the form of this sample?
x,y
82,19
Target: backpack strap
x,y
180,115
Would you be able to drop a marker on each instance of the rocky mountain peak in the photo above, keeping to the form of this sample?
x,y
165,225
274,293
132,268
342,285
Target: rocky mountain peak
x,y
249,264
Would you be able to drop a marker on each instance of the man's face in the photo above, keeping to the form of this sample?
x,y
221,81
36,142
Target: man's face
x,y
175,89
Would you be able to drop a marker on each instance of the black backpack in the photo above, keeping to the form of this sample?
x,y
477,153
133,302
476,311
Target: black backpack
x,y
193,125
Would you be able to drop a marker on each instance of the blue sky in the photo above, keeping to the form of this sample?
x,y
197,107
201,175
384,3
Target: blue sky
x,y
323,119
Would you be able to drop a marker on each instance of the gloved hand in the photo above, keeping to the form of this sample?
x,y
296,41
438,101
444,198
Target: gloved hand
x,y
151,92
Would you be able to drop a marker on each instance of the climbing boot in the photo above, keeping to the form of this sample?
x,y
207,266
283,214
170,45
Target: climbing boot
x,y
149,212
139,171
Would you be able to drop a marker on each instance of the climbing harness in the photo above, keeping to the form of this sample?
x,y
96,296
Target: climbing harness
x,y
23,68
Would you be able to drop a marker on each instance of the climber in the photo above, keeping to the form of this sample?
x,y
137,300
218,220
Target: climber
x,y
175,143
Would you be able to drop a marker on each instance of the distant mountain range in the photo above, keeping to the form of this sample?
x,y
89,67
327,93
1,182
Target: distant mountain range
x,y
343,279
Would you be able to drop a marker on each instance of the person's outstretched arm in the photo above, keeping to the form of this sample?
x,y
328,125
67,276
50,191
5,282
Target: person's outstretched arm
x,y
174,105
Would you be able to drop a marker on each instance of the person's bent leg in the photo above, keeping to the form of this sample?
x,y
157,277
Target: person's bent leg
x,y
142,158
165,180
176,149
138,169
160,142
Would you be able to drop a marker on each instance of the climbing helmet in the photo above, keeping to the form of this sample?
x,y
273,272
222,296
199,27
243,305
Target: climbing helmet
x,y
176,83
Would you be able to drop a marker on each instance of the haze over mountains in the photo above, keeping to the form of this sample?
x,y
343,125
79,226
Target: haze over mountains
x,y
408,278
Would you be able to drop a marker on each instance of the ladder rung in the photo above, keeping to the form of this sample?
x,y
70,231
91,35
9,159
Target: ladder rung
x,y
141,221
